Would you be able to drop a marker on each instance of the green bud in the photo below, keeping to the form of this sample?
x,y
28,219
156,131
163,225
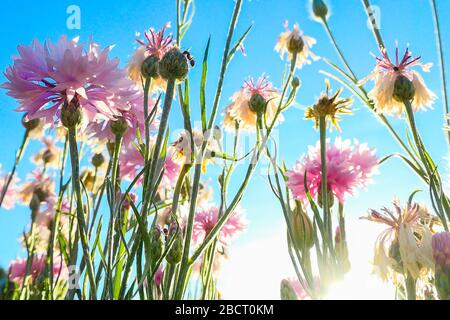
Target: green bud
x,y
394,253
403,89
48,156
119,127
173,65
257,103
30,124
71,113
110,148
320,9
176,252
302,229
217,133
35,204
286,291
295,82
156,245
149,68
295,44
97,160
330,198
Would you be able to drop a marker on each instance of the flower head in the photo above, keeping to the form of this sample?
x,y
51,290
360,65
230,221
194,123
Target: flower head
x,y
49,155
156,45
292,42
18,269
329,107
385,76
348,168
405,246
46,77
441,249
207,218
240,109
38,183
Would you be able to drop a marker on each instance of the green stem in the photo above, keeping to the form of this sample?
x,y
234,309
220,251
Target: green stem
x,y
324,183
158,144
19,155
373,22
80,212
338,50
410,283
185,263
442,65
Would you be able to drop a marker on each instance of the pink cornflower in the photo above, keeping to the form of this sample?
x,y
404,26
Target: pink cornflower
x,y
206,219
348,168
134,118
44,77
239,109
17,269
386,73
155,44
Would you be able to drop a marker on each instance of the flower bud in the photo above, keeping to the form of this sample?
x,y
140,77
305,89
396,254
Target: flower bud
x,y
149,68
97,160
286,291
156,245
257,103
176,251
330,198
30,124
441,255
119,127
320,9
71,113
302,229
110,148
173,65
394,253
295,82
35,204
48,156
403,89
295,44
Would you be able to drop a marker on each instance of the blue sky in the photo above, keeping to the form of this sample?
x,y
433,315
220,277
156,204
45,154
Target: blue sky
x,y
116,22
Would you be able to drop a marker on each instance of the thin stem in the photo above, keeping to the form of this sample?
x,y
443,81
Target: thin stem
x,y
19,155
338,50
437,32
410,283
158,144
373,22
184,267
80,212
324,183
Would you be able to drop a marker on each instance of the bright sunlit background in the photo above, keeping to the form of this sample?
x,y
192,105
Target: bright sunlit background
x,y
258,259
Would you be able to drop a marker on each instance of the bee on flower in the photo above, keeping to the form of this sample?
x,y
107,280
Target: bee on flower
x,y
405,247
294,42
396,82
253,98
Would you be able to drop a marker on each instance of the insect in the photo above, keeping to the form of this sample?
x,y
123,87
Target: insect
x,y
190,58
